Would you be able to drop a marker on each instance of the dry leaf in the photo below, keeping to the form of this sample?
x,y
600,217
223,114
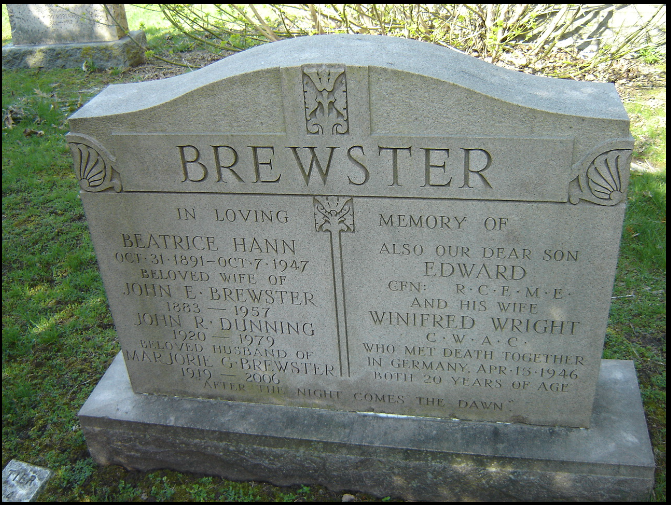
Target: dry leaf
x,y
42,94
29,132
11,115
7,119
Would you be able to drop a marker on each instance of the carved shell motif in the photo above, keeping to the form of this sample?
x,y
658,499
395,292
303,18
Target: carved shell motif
x,y
93,164
604,180
603,176
334,213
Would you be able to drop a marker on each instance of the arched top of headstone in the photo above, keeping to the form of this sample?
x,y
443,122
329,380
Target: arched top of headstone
x,y
567,97
360,223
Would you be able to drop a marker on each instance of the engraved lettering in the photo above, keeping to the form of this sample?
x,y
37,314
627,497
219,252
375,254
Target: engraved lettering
x,y
314,160
428,166
394,161
187,169
364,169
217,162
467,167
268,164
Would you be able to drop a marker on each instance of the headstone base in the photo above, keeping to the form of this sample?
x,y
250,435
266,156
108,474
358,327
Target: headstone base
x,y
424,459
119,53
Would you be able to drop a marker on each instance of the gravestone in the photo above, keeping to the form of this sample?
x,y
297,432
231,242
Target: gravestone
x,y
22,482
364,252
34,24
67,35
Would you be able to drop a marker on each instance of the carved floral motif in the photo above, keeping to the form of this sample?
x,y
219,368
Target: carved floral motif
x,y
325,94
93,164
603,175
334,213
602,179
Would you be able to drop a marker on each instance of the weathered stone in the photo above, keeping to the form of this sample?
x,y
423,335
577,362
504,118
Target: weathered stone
x,y
322,255
38,24
101,55
423,459
22,482
68,35
360,223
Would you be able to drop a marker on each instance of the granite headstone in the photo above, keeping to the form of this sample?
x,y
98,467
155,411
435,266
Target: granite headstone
x,y
34,24
356,224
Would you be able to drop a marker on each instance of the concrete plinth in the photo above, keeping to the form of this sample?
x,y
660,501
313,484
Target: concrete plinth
x,y
119,53
425,459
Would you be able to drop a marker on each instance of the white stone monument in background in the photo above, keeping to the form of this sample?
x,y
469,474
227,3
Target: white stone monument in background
x,y
67,35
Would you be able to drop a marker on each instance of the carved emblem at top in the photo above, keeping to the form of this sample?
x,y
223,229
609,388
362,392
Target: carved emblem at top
x,y
325,94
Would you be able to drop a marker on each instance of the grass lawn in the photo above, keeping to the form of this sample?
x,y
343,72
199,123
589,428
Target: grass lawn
x,y
57,332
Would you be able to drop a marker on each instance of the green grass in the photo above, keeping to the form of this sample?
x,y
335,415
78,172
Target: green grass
x,y
57,332
148,18
162,38
637,323
648,124
6,30
645,223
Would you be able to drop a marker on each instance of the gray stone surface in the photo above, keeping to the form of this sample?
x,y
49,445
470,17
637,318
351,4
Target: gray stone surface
x,y
39,24
118,53
400,456
360,223
23,482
